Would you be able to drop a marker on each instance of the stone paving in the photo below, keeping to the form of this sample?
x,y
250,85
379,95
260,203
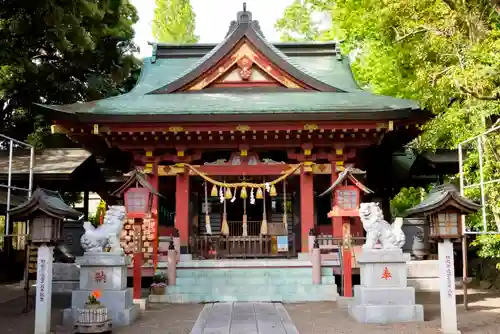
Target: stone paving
x,y
309,318
244,318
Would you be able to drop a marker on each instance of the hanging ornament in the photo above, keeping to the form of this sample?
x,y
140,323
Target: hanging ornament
x,y
243,193
263,226
221,194
228,194
245,225
234,196
268,187
272,191
214,191
225,227
208,227
252,197
259,193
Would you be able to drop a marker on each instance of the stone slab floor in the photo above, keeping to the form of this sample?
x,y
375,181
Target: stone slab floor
x,y
244,318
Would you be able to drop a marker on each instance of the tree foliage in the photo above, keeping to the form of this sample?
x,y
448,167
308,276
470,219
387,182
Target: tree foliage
x,y
443,53
59,52
174,22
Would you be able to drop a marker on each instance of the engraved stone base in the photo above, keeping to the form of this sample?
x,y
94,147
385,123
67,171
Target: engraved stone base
x,y
107,273
383,296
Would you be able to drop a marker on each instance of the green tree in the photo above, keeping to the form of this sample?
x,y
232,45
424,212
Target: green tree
x,y
59,52
174,22
445,54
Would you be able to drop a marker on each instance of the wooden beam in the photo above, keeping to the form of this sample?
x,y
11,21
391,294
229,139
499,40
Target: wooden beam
x,y
234,144
236,127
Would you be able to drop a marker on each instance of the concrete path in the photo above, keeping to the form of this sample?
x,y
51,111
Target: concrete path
x,y
244,318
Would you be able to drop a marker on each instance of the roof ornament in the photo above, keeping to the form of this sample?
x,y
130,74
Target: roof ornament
x,y
244,16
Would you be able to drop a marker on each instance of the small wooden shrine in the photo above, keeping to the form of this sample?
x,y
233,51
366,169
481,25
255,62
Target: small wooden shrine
x,y
443,207
240,137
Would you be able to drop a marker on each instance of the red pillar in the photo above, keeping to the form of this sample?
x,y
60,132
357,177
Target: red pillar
x,y
306,207
182,207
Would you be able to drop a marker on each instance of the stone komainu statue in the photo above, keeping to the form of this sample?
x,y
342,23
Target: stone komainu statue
x,y
377,229
95,239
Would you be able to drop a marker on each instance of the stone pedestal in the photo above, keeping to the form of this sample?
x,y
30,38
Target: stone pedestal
x,y
106,272
383,296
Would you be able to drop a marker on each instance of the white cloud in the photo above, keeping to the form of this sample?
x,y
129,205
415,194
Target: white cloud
x,y
212,18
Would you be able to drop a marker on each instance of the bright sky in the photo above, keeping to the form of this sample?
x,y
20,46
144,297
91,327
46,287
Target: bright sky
x,y
212,19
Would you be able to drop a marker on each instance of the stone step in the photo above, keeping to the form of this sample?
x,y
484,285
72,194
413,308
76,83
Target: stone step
x,y
301,293
242,280
251,272
242,289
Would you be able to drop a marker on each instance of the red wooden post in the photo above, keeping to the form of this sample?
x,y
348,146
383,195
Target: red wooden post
x,y
182,207
138,257
306,207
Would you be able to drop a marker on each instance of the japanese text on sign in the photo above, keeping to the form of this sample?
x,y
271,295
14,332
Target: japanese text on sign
x,y
42,267
386,274
449,275
100,276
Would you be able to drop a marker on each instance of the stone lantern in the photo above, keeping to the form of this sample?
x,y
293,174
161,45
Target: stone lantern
x,y
45,212
444,207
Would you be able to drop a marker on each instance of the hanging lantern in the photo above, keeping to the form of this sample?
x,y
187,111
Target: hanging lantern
x,y
214,192
272,191
259,195
243,193
228,194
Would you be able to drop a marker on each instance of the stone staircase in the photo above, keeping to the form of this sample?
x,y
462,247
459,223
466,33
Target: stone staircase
x,y
269,283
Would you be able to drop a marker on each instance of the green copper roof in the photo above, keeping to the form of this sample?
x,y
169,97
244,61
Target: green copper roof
x,y
336,94
241,102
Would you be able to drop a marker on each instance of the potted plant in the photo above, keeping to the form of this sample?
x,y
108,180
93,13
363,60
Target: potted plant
x,y
159,284
94,315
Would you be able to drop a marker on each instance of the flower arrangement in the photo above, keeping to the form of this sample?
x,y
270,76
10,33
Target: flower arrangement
x,y
94,298
159,280
159,283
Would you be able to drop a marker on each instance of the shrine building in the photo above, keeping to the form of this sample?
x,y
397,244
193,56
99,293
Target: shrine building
x,y
239,139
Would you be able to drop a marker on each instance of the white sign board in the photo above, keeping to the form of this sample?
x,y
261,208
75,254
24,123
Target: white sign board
x,y
447,288
43,290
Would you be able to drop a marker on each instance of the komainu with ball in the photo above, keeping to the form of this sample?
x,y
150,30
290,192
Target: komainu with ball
x,y
105,235
377,229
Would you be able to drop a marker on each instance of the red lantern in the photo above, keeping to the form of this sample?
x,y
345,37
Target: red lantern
x,y
346,201
138,202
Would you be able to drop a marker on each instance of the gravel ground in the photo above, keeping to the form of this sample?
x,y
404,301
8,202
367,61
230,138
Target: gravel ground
x,y
482,317
310,318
